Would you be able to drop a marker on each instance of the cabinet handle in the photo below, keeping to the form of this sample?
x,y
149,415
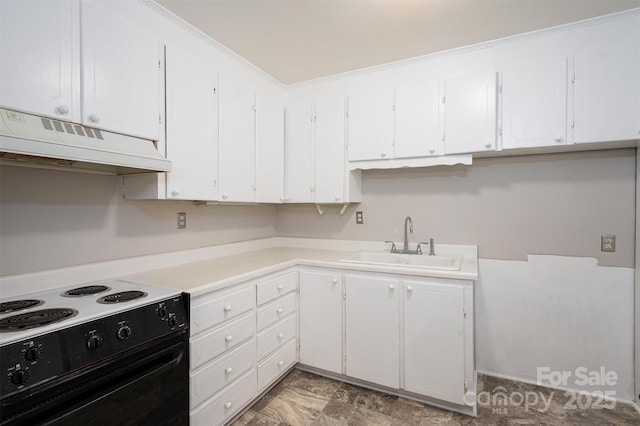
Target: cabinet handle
x,y
280,363
409,288
62,110
335,281
228,370
391,286
558,138
228,338
432,150
287,198
280,336
279,310
280,287
227,405
487,145
225,196
227,308
94,118
337,197
383,154
174,193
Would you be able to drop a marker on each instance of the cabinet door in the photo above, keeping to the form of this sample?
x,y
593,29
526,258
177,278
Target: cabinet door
x,y
321,320
237,124
122,73
39,54
298,153
417,121
269,150
192,126
534,104
329,150
607,94
371,121
373,329
470,113
434,340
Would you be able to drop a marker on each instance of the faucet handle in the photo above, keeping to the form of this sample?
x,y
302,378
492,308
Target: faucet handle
x,y
419,248
393,246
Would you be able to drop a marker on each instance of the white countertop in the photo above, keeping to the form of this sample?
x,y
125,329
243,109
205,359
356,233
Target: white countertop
x,y
201,270
204,276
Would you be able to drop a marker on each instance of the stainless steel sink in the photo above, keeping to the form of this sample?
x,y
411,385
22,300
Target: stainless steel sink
x,y
407,260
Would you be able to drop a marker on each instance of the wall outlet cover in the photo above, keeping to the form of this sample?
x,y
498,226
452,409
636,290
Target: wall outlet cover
x,y
608,243
182,220
359,218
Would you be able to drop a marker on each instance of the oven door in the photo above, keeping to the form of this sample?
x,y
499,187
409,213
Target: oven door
x,y
146,386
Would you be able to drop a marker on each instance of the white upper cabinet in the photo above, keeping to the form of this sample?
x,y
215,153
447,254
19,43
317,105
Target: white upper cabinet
x,y
372,329
192,126
330,164
371,125
237,141
299,154
122,73
470,113
417,121
39,57
534,104
606,94
315,154
269,172
321,320
434,340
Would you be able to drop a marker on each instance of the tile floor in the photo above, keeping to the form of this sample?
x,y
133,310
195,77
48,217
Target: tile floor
x,y
307,399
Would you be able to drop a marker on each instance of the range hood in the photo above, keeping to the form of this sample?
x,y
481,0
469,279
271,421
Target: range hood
x,y
31,140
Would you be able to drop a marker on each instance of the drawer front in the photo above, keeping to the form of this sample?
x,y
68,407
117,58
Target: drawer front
x,y
218,309
272,367
227,403
219,374
277,287
275,336
215,343
276,310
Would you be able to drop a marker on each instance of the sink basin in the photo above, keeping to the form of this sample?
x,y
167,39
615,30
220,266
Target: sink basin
x,y
407,260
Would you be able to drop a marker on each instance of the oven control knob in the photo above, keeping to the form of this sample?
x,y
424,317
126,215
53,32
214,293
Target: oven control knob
x,y
124,332
162,312
19,377
94,342
32,354
172,322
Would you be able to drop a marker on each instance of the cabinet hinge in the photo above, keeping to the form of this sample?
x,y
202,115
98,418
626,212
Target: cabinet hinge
x,y
466,385
573,123
160,118
500,88
214,91
573,78
443,137
393,107
500,130
443,99
464,310
159,64
393,142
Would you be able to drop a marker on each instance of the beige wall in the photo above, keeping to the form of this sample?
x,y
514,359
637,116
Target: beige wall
x,y
510,206
52,219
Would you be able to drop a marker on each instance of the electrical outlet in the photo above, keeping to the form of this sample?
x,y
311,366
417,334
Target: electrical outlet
x,y
359,218
608,243
182,220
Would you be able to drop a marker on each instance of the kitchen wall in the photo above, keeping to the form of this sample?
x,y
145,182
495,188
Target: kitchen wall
x,y
53,219
510,206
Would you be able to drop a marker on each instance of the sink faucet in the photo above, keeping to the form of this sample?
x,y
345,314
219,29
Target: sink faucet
x,y
408,229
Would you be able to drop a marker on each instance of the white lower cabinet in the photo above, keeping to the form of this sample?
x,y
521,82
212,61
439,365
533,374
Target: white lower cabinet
x,y
321,323
434,340
372,329
243,338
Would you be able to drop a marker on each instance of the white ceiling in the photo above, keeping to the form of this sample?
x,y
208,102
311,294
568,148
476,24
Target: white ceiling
x,y
297,40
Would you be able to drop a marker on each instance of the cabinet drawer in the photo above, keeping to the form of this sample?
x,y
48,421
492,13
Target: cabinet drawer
x,y
273,311
276,287
214,310
218,374
226,403
275,336
215,343
276,364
